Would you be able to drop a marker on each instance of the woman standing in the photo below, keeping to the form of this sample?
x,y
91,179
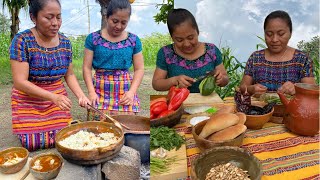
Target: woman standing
x,y
111,51
279,66
187,58
40,58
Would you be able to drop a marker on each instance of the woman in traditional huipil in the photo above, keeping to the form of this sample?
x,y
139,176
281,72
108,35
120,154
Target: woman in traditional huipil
x,y
278,66
111,51
187,58
40,57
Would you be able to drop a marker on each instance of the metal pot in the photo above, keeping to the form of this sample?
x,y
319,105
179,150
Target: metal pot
x,y
94,156
138,137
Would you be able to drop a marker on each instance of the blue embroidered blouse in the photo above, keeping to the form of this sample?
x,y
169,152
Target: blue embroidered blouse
x,y
176,65
112,55
46,65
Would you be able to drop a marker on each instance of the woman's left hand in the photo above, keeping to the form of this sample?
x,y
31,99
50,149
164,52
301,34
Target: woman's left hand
x,y
127,98
219,78
287,88
84,101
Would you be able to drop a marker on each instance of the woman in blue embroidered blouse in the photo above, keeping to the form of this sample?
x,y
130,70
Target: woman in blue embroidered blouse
x,y
40,57
279,66
111,51
187,58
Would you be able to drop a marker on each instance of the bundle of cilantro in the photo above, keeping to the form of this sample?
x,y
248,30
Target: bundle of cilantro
x,y
166,138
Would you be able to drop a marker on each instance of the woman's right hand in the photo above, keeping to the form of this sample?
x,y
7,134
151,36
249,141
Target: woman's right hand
x,y
93,97
184,81
63,102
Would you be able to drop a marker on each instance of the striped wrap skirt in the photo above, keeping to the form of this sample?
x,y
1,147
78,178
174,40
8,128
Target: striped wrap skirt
x,y
37,121
110,86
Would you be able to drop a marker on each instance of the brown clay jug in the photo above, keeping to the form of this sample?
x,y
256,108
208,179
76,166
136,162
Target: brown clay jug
x,y
301,114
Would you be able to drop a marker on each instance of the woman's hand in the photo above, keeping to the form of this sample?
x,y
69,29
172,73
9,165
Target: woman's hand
x,y
84,101
93,98
63,102
287,88
183,81
220,78
258,89
127,98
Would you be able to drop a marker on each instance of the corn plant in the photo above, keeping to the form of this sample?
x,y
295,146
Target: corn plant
x,y
151,45
312,49
262,46
234,69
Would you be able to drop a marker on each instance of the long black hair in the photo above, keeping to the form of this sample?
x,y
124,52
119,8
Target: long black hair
x,y
278,14
37,5
115,5
178,16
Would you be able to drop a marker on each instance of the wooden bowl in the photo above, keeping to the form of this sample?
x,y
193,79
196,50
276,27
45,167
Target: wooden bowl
x,y
204,144
222,155
92,156
170,120
9,154
49,165
257,121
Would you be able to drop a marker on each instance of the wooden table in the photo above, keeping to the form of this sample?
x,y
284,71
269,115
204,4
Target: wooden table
x,y
283,155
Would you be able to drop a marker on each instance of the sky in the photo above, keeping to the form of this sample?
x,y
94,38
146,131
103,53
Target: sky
x,y
236,23
75,18
233,23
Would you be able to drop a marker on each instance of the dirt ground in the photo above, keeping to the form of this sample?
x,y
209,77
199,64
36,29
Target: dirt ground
x,y
9,140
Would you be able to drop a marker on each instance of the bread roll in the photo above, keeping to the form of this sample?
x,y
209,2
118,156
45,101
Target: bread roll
x,y
242,117
226,109
228,133
218,122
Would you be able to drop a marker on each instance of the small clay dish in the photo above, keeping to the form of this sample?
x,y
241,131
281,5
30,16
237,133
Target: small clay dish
x,y
13,159
46,165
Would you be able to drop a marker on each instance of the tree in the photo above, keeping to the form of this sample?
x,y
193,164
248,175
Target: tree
x,y
14,7
164,10
4,24
312,49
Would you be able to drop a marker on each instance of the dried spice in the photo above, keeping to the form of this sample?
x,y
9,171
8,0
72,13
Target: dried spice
x,y
242,100
227,171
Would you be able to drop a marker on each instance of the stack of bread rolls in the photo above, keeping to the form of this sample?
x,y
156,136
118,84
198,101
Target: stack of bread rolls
x,y
224,125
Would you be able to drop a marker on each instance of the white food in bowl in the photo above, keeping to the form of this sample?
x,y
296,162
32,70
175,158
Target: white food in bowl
x,y
84,140
197,119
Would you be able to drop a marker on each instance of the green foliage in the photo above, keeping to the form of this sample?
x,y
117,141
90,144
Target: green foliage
x,y
262,46
312,49
4,24
5,73
77,46
165,137
14,7
151,45
164,10
234,69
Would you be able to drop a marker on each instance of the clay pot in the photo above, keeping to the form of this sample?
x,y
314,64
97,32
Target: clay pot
x,y
302,112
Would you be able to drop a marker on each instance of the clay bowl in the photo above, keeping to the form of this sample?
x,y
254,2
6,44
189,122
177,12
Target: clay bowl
x,y
9,154
138,137
170,120
257,121
92,156
222,155
49,165
204,144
